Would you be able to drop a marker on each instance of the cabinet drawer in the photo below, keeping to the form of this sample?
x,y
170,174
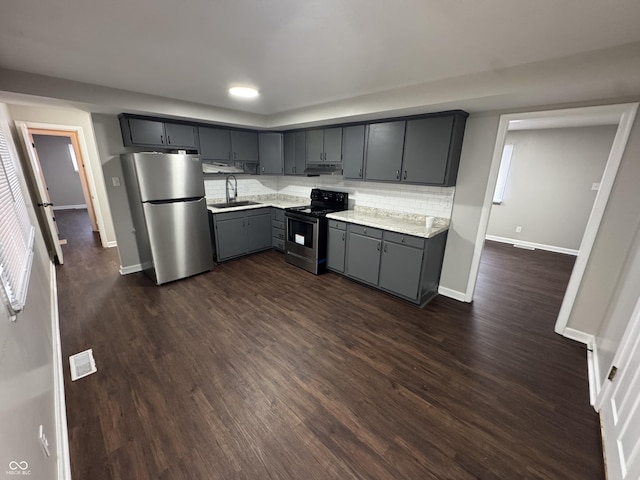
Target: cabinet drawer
x,y
366,231
252,212
277,214
276,223
403,239
229,215
337,224
278,244
277,233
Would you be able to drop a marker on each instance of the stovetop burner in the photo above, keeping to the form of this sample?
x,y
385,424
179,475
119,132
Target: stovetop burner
x,y
323,202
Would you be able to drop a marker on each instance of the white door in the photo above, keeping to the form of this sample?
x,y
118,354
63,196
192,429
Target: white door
x,y
620,410
43,201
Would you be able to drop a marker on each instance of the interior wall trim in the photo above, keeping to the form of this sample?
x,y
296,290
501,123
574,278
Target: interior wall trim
x,y
448,292
60,407
130,269
538,246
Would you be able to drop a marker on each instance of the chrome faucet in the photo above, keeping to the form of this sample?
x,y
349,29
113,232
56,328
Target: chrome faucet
x,y
235,188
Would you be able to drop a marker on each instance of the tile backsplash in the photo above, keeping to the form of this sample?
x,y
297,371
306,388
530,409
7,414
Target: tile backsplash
x,y
417,199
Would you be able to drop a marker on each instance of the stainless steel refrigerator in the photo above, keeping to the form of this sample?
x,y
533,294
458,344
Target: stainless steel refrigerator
x,y
169,212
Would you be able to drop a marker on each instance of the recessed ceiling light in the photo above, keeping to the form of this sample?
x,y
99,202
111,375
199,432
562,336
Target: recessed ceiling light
x,y
244,92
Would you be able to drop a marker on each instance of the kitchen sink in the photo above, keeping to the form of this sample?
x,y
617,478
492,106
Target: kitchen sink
x,y
241,203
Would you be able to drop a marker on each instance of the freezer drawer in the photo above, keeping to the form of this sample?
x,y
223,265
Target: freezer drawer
x,y
179,239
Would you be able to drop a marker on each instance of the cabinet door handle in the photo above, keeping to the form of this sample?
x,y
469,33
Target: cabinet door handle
x,y
162,139
397,174
320,156
234,157
343,236
168,140
385,248
360,173
378,247
248,222
405,174
402,240
325,156
263,169
365,231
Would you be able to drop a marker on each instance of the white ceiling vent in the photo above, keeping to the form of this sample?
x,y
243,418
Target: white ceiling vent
x,y
82,364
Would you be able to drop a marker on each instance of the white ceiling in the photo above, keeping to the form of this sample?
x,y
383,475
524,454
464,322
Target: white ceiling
x,y
302,54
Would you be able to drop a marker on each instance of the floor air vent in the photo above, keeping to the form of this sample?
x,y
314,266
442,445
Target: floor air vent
x,y
82,364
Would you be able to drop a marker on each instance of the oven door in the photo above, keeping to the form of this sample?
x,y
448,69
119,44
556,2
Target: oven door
x,y
301,243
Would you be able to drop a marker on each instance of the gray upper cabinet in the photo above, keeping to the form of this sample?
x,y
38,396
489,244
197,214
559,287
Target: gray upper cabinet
x,y
324,145
146,132
384,151
244,146
181,136
271,153
426,150
353,152
294,153
215,143
153,133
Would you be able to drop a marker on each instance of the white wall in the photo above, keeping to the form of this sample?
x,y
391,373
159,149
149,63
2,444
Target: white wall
x,y
27,382
548,191
63,182
81,119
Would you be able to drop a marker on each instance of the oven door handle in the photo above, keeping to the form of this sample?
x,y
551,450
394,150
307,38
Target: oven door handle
x,y
301,218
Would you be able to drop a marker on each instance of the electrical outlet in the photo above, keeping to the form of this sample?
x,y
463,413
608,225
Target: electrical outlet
x,y
518,229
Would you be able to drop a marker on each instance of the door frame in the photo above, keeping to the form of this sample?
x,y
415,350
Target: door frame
x,y
626,113
73,136
69,130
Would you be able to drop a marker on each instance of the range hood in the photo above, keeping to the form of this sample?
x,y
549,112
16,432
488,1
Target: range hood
x,y
222,168
323,170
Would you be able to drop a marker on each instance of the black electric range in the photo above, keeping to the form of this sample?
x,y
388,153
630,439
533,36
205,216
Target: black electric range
x,y
306,229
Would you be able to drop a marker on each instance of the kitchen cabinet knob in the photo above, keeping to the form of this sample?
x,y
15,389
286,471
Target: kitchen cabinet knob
x,y
360,173
343,236
397,174
385,249
402,240
365,231
378,247
405,174
168,139
325,156
161,139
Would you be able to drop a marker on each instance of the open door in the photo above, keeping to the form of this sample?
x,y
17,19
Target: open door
x,y
42,195
620,410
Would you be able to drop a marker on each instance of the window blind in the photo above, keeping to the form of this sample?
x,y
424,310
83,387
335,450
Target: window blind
x,y
16,234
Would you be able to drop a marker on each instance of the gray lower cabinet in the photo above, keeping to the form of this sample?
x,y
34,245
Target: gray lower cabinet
x,y
336,245
385,143
363,253
353,152
277,229
271,153
403,265
294,153
241,232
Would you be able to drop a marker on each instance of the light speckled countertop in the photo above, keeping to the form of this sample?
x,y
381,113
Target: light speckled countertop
x,y
409,224
275,200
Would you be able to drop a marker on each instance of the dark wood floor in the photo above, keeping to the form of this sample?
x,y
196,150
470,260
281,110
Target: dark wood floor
x,y
259,370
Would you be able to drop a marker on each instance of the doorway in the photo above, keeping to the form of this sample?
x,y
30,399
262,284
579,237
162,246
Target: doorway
x,y
623,115
75,158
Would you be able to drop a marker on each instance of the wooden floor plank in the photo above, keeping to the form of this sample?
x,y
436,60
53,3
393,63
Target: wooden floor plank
x,y
260,370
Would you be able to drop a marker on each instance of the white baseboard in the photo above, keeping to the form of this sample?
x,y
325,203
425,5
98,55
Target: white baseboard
x,y
70,207
62,434
130,269
112,244
448,292
539,246
579,336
